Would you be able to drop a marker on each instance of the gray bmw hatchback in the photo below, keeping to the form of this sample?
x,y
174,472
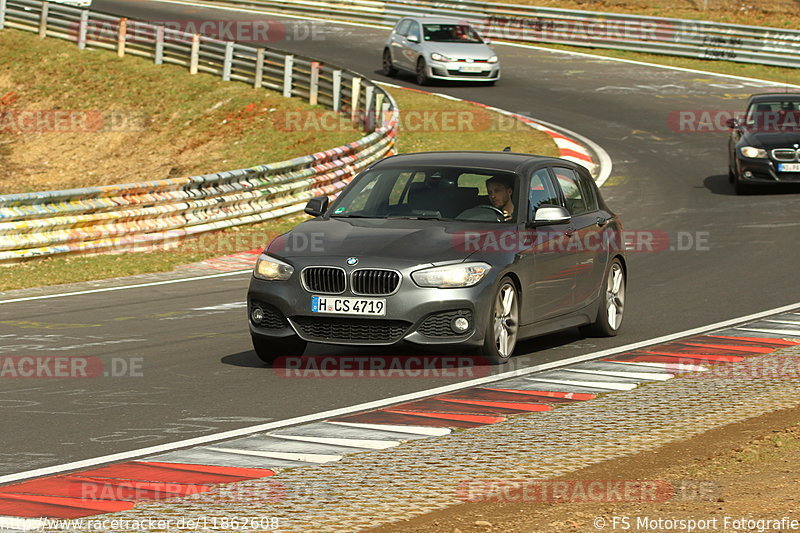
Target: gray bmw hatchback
x,y
476,249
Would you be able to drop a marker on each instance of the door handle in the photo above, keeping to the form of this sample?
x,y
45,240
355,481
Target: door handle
x,y
569,232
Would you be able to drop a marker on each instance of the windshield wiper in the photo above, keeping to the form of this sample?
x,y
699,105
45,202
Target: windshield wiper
x,y
356,216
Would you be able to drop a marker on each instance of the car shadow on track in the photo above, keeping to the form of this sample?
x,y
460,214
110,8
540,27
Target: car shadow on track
x,y
529,352
431,85
718,184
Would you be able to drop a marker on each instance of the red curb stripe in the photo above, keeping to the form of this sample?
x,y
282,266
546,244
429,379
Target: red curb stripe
x,y
410,419
88,488
567,152
652,358
35,506
700,356
178,472
495,395
514,406
456,407
734,347
763,340
475,419
578,396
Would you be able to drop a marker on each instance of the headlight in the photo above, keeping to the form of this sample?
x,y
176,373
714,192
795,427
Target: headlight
x,y
461,275
272,269
440,57
493,59
753,153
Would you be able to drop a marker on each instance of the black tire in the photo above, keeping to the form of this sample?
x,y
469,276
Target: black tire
x,y
602,325
731,175
422,76
268,349
388,67
493,349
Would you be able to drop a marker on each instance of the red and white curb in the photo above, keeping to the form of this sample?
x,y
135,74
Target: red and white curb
x,y
571,145
262,451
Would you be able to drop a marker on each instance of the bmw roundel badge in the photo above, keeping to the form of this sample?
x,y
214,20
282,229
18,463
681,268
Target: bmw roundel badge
x,y
352,261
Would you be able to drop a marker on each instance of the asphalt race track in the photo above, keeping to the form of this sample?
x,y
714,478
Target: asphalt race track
x,y
179,354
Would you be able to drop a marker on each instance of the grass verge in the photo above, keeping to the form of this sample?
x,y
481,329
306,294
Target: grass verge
x,y
430,123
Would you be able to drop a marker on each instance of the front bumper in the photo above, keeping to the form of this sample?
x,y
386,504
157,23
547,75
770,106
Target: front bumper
x,y
763,171
451,70
413,314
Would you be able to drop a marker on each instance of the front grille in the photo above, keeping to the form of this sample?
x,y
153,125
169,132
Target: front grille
x,y
785,154
273,318
438,324
471,74
351,329
375,281
327,280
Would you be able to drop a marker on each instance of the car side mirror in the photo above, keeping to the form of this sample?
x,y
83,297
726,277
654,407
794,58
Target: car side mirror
x,y
732,123
551,214
316,206
413,38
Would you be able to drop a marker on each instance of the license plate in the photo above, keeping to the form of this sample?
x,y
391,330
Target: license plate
x,y
348,306
788,167
470,68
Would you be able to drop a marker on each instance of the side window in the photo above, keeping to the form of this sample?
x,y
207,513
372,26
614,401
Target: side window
x,y
569,183
588,191
541,192
402,27
414,30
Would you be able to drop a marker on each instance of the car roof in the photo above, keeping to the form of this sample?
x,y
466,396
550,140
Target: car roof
x,y
508,161
437,19
761,97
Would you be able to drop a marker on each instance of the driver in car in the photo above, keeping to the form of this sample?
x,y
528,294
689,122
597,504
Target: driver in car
x,y
500,191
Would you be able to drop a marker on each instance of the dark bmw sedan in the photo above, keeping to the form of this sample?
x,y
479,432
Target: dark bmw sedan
x,y
764,147
477,249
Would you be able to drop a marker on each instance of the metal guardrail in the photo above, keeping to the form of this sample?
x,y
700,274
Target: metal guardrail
x,y
654,35
140,215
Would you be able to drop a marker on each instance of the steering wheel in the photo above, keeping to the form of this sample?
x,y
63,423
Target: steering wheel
x,y
499,213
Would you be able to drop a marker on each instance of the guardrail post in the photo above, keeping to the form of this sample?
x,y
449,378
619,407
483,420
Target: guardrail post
x,y
337,90
2,14
83,26
355,102
43,20
288,67
158,55
226,66
369,94
195,59
121,34
259,68
313,96
379,123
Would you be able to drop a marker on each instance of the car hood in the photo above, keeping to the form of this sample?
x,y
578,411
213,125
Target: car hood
x,y
771,139
389,241
461,50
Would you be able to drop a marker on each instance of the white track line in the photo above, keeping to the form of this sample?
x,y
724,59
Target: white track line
x,y
288,456
349,443
377,404
123,287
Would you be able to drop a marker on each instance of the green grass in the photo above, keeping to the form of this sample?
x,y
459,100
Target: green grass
x,y
481,130
177,124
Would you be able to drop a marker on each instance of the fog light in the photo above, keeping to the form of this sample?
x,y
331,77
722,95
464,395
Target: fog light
x,y
460,325
748,174
257,315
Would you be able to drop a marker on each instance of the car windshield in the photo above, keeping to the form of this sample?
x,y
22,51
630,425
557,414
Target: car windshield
x,y
774,115
440,193
450,33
